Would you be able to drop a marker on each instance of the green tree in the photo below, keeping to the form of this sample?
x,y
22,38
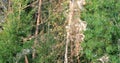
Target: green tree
x,y
103,30
17,26
17,36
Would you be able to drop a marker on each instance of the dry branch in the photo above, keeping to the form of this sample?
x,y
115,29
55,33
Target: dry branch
x,y
74,30
37,27
26,59
68,34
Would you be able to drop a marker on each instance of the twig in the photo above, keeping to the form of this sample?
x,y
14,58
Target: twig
x,y
69,22
32,4
26,59
28,38
37,27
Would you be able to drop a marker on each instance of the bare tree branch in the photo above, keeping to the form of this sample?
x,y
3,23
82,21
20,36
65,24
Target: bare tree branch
x,y
37,27
68,34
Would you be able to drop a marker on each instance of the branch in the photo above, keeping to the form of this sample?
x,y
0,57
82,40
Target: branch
x,y
67,29
33,4
26,59
28,38
37,27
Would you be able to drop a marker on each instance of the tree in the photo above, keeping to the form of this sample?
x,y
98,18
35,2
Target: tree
x,y
18,31
17,26
103,32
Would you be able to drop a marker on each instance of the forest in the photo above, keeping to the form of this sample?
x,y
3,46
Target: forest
x,y
59,31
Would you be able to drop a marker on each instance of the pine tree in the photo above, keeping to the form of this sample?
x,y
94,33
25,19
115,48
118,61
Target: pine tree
x,y
17,26
103,32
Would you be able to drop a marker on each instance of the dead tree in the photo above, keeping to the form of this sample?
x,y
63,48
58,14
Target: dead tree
x,y
74,31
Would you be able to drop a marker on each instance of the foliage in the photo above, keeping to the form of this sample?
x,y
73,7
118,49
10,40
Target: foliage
x,y
101,36
17,26
103,33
